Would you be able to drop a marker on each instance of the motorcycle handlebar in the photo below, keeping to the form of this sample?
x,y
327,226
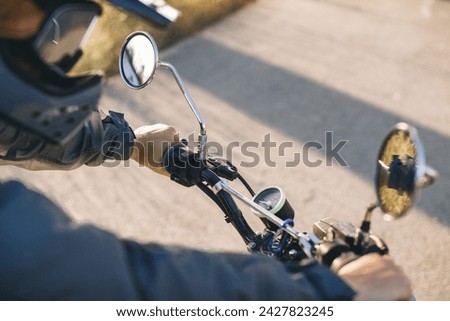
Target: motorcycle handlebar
x,y
335,245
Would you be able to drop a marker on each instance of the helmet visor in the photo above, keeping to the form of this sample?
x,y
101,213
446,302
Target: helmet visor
x,y
64,33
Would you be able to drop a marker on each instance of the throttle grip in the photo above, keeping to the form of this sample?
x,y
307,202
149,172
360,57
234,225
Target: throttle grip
x,y
183,165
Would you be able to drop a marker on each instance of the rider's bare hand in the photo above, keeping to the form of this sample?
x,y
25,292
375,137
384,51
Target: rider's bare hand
x,y
376,277
150,145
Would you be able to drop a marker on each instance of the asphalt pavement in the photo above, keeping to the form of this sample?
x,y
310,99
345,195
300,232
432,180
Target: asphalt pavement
x,y
299,94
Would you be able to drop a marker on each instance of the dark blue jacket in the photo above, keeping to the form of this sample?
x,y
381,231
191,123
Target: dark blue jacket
x,y
46,256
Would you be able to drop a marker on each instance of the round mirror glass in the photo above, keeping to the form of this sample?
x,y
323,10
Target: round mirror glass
x,y
138,60
401,164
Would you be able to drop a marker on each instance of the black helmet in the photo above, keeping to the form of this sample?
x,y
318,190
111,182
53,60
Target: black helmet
x,y
36,92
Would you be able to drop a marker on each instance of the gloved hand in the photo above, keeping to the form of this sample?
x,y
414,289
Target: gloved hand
x,y
376,277
150,145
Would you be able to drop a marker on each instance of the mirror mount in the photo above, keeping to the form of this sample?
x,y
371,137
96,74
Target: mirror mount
x,y
138,62
429,177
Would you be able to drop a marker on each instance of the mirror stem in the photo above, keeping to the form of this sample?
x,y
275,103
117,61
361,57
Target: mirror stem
x,y
429,178
365,225
362,234
202,137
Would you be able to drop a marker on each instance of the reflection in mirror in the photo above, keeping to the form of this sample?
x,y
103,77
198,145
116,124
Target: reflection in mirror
x,y
138,60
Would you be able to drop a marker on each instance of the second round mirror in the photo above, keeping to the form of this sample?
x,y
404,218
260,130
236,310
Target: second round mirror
x,y
400,170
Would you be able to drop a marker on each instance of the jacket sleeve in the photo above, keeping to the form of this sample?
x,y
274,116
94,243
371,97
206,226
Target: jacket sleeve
x,y
170,273
96,141
45,256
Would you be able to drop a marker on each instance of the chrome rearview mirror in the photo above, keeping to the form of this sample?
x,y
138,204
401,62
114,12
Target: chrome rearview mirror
x,y
401,170
138,62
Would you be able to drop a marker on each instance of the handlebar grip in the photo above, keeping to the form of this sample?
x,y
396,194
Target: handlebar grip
x,y
183,165
335,254
342,260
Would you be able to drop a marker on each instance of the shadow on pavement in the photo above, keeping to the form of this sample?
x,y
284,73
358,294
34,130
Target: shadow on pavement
x,y
305,110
